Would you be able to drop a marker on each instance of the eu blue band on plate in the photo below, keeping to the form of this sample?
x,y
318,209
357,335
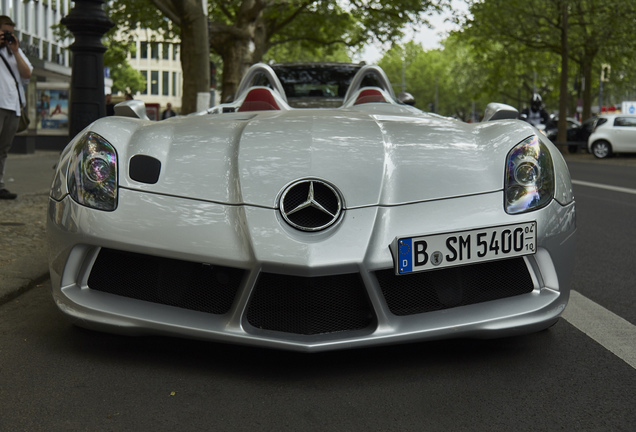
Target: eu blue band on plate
x,y
405,256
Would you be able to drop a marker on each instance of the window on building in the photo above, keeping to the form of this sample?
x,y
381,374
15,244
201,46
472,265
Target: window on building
x,y
154,82
133,51
175,52
174,84
154,51
144,50
166,51
55,53
165,83
145,75
36,46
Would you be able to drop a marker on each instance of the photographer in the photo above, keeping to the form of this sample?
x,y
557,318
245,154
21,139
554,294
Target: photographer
x,y
15,71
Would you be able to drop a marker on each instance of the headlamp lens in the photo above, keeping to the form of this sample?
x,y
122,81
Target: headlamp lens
x,y
92,179
529,177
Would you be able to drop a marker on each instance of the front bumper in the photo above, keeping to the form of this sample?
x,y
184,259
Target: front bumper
x,y
258,246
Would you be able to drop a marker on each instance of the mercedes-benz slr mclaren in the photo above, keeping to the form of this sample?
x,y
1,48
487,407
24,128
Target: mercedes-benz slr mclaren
x,y
312,229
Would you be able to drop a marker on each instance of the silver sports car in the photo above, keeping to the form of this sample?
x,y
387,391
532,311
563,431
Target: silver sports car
x,y
312,229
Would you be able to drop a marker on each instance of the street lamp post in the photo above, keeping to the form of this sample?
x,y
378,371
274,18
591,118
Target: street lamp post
x,y
88,22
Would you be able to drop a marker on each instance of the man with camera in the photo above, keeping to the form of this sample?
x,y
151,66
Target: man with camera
x,y
15,71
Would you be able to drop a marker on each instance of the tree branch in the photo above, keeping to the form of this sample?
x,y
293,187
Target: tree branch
x,y
226,11
274,27
317,41
168,8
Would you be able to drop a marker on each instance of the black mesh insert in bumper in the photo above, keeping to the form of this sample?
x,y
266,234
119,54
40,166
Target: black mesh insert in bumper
x,y
451,287
183,284
310,306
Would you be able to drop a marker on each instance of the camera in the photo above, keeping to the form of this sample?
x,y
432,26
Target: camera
x,y
8,37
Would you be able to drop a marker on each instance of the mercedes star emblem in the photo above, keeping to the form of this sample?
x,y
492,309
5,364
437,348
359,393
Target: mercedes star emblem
x,y
310,205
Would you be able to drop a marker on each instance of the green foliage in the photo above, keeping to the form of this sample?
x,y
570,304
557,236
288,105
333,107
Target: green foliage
x,y
138,14
518,45
125,78
517,48
325,22
306,23
385,20
298,52
316,27
243,31
441,80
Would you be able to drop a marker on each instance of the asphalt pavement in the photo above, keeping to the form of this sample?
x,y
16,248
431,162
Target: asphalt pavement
x,y
23,252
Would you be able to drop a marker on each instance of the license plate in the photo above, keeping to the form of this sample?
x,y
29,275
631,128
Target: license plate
x,y
422,253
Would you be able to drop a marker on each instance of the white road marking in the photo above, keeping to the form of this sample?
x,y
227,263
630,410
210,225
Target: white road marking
x,y
611,331
604,186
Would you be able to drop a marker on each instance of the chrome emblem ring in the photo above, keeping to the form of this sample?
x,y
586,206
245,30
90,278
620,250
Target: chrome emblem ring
x,y
310,205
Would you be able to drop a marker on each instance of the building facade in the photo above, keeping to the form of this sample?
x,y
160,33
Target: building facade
x,y
159,63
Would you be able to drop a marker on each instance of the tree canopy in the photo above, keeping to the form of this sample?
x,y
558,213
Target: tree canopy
x,y
548,37
506,50
242,32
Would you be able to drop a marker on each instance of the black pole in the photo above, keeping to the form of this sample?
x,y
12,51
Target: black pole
x,y
88,22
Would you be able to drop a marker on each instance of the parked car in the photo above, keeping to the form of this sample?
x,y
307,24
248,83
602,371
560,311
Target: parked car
x,y
312,229
613,133
577,132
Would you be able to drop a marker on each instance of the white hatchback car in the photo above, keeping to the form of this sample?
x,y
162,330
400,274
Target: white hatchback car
x,y
613,133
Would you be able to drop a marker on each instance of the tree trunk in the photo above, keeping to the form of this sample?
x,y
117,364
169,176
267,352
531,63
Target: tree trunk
x,y
239,44
195,53
563,97
236,61
586,68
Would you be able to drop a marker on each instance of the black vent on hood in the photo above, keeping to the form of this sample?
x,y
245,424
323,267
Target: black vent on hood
x,y
144,169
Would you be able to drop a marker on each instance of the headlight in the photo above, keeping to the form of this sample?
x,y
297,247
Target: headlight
x,y
92,175
529,177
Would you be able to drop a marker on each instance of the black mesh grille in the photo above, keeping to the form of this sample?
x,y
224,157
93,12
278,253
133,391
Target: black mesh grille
x,y
458,286
310,306
183,284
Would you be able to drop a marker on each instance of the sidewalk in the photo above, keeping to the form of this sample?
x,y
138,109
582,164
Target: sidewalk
x,y
23,255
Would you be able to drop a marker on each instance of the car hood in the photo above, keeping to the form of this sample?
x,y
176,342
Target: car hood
x,y
373,156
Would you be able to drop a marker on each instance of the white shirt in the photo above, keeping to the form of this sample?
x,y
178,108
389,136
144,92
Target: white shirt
x,y
8,95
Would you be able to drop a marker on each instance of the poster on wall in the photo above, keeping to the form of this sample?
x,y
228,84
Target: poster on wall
x,y
52,111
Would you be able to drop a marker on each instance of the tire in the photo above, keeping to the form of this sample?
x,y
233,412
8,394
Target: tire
x,y
601,149
573,148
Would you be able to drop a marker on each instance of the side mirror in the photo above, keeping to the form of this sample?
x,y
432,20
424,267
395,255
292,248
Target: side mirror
x,y
499,111
131,108
406,98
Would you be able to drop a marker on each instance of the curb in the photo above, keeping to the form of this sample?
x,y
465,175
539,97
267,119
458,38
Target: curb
x,y
21,275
